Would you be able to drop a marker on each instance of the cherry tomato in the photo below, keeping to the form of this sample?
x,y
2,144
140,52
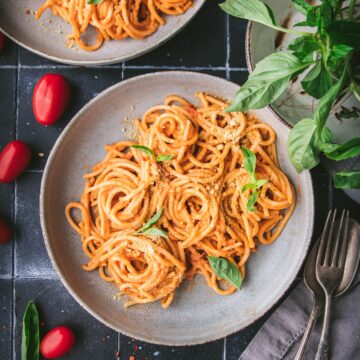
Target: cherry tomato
x,y
2,41
14,159
57,342
5,232
51,98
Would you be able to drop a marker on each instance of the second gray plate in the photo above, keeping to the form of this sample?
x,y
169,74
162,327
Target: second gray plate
x,y
197,314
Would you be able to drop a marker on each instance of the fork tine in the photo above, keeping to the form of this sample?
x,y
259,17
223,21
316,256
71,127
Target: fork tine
x,y
338,239
322,246
330,240
345,241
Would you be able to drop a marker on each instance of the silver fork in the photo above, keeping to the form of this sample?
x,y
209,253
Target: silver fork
x,y
330,263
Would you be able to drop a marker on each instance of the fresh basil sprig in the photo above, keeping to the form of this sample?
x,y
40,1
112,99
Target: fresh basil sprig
x,y
149,152
30,333
328,57
148,228
254,184
93,2
347,180
226,270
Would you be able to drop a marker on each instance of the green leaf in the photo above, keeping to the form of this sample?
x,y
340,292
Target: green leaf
x,y
302,6
163,157
304,46
260,183
252,200
345,32
346,113
301,145
344,151
152,221
325,15
92,2
313,16
30,333
254,10
226,270
356,90
251,186
267,82
317,81
338,54
144,149
347,180
155,232
249,162
326,102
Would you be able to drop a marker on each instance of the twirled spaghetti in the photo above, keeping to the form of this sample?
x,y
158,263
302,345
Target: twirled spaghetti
x,y
200,193
113,19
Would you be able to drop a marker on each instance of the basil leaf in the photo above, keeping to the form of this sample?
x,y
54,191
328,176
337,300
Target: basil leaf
x,y
155,232
226,270
152,221
252,200
345,32
304,46
267,82
313,16
251,186
30,333
347,180
325,15
260,183
338,54
144,149
345,113
326,102
302,6
301,145
356,91
254,10
317,81
163,157
249,162
92,2
344,151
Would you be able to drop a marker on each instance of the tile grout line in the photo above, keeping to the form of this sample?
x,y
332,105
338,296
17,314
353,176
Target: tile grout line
x,y
331,193
119,345
224,349
14,211
227,61
123,67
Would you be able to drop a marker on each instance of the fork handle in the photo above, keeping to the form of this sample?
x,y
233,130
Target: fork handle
x,y
323,348
314,315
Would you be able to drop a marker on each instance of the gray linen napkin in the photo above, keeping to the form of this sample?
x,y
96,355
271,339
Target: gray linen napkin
x,y
280,336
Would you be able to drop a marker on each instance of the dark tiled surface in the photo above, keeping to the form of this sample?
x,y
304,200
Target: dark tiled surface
x,y
213,43
56,307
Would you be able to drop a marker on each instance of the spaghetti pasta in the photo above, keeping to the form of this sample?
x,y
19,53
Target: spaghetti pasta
x,y
199,193
113,19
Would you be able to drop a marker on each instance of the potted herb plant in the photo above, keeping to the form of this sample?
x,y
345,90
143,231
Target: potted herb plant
x,y
323,58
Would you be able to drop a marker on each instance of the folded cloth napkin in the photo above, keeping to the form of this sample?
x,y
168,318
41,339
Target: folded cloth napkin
x,y
280,336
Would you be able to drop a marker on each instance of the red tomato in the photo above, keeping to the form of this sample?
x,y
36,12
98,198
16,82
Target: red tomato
x,y
5,232
51,98
14,159
57,342
2,41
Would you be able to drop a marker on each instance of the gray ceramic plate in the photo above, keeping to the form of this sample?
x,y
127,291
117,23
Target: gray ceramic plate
x,y
197,314
47,37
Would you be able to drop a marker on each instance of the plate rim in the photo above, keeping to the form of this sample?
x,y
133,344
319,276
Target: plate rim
x,y
114,60
48,245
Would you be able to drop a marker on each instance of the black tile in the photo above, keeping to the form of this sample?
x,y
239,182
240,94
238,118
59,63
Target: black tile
x,y
7,123
56,307
237,42
9,54
201,43
31,258
85,84
342,201
239,77
5,318
145,351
